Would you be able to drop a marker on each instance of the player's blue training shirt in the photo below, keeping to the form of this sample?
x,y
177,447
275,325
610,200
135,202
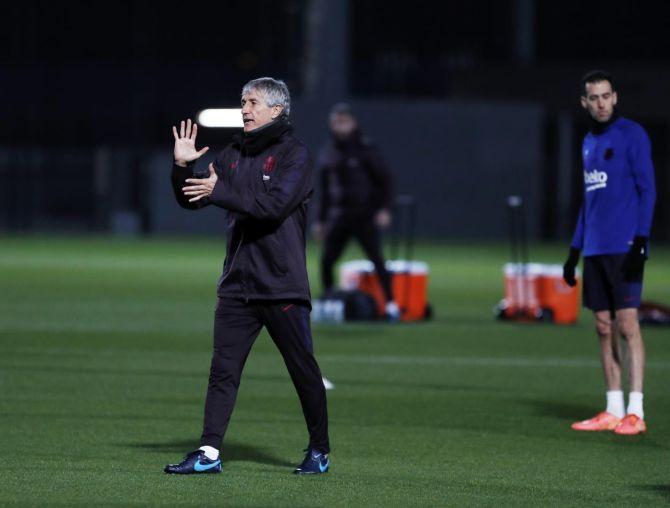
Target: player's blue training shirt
x,y
619,189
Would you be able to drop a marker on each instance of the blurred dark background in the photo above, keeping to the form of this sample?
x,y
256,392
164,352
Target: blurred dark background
x,y
469,101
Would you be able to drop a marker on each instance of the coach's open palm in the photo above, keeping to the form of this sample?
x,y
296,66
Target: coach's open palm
x,y
184,143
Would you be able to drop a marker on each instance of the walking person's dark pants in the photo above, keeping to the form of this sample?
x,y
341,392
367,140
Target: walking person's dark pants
x,y
236,326
338,235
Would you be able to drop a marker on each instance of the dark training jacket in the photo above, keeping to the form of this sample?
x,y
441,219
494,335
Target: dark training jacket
x,y
265,183
354,182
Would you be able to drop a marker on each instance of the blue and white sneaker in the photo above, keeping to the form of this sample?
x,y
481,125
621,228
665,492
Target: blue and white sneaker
x,y
195,463
315,463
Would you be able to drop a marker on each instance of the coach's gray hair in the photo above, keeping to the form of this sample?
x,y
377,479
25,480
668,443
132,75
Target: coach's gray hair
x,y
275,92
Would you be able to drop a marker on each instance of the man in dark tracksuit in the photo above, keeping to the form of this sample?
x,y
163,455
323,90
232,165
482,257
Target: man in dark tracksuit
x,y
264,180
355,187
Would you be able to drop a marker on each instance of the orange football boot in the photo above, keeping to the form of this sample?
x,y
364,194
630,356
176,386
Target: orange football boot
x,y
601,421
630,425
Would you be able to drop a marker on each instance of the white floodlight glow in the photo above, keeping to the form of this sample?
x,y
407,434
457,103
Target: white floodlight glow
x,y
228,117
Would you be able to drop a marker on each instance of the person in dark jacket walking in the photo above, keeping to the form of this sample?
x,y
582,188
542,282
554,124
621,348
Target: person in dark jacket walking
x,y
264,181
355,187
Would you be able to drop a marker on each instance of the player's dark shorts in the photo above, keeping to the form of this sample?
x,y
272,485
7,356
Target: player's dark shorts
x,y
605,287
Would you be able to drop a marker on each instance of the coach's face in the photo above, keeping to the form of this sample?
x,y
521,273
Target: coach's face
x,y
599,100
255,111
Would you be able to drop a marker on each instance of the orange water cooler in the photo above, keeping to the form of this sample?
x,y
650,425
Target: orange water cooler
x,y
409,283
537,292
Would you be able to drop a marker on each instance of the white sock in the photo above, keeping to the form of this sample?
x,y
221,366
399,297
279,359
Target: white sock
x,y
635,404
210,452
615,403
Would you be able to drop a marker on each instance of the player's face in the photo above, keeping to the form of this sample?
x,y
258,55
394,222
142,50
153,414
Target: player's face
x,y
600,100
342,125
255,111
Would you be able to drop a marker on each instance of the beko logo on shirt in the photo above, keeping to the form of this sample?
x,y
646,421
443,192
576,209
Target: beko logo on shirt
x,y
595,180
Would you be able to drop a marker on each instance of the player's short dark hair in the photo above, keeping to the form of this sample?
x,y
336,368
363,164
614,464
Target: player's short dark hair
x,y
595,76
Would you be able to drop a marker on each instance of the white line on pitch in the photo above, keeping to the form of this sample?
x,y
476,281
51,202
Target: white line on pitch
x,y
473,361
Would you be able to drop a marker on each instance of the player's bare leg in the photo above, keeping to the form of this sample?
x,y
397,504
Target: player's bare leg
x,y
629,327
610,351
610,358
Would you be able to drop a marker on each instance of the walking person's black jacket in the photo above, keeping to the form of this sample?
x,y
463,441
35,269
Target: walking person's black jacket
x,y
354,181
265,183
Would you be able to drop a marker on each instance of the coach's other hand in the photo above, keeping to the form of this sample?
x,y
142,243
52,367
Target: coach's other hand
x,y
184,143
201,187
569,267
633,263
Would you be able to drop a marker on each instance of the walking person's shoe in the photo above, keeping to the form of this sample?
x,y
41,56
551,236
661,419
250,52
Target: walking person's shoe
x,y
631,425
392,312
195,463
315,463
601,422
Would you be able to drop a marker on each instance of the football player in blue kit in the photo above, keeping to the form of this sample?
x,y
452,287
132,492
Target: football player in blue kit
x,y
612,233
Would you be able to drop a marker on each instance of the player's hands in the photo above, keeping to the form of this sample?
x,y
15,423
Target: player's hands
x,y
184,143
570,266
200,187
383,218
633,263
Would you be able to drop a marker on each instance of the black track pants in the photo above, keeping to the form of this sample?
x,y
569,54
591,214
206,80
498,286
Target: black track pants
x,y
338,236
236,326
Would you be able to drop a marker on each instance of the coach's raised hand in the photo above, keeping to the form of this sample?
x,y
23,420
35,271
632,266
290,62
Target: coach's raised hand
x,y
184,143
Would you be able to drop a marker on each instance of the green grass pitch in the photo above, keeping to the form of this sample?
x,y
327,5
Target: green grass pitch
x,y
104,356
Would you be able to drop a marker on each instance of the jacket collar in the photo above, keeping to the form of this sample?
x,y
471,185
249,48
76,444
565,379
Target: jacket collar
x,y
598,128
256,141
